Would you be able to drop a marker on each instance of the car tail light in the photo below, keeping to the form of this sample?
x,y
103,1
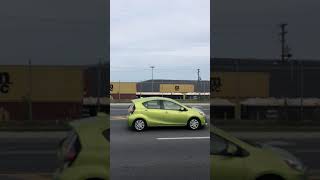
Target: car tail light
x,y
71,149
70,155
131,109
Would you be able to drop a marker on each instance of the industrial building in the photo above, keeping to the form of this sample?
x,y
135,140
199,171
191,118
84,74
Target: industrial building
x,y
43,92
40,92
265,89
176,89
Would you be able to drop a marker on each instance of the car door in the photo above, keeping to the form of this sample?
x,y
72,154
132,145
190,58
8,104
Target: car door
x,y
225,166
173,114
153,112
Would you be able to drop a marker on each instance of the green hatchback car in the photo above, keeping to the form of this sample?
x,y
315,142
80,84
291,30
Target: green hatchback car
x,y
84,153
232,158
159,111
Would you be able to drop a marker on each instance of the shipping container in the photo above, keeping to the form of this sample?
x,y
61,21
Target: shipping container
x,y
239,84
181,88
123,88
44,83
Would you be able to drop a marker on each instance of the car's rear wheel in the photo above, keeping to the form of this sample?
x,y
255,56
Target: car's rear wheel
x,y
194,124
139,125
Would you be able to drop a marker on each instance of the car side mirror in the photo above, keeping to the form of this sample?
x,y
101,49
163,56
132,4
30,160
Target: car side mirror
x,y
182,109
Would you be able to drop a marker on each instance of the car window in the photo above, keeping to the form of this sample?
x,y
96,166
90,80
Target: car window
x,y
168,105
154,104
218,145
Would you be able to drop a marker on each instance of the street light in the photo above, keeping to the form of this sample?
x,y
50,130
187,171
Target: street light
x,y
152,67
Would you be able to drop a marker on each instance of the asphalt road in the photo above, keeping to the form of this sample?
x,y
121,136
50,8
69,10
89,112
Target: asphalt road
x,y
145,155
150,155
27,158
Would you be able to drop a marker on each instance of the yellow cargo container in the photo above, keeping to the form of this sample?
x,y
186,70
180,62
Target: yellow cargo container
x,y
123,88
178,88
46,83
239,84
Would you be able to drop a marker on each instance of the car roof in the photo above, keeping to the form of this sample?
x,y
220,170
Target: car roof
x,y
151,98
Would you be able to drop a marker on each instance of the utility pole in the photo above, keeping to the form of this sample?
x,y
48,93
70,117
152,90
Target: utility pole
x,y
152,67
30,91
199,79
285,50
238,104
98,83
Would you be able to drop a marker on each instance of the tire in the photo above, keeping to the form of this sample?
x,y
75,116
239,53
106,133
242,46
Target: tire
x,y
194,124
270,177
139,125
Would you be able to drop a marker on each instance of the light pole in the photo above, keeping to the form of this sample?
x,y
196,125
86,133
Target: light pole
x,y
152,67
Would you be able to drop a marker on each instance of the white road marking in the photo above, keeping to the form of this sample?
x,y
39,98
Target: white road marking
x,y
183,138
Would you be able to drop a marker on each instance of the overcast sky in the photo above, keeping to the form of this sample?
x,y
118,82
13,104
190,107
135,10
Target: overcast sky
x,y
172,35
249,28
53,31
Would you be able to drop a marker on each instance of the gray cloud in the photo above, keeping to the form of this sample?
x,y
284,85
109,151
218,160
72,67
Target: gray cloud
x,y
53,32
172,35
249,28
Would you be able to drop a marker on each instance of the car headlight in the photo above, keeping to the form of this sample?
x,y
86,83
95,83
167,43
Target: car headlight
x,y
296,165
202,113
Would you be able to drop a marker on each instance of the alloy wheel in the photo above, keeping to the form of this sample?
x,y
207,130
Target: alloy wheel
x,y
139,125
194,124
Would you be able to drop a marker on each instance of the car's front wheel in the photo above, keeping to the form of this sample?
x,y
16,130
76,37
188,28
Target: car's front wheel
x,y
194,124
139,125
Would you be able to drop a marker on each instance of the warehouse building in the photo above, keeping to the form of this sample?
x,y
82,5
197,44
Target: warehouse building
x,y
287,79
158,85
176,89
40,92
254,88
